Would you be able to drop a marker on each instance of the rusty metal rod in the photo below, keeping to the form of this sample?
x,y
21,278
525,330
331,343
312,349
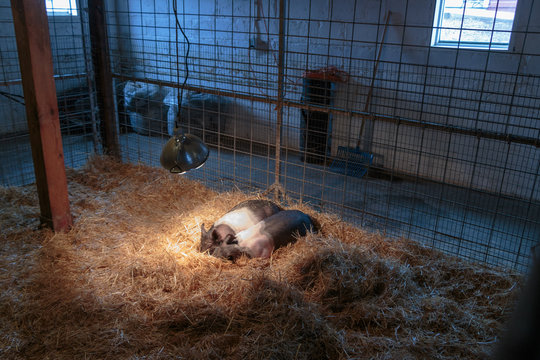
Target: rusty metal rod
x,y
279,105
479,133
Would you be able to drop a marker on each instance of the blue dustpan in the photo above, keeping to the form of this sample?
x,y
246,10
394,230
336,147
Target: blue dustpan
x,y
351,162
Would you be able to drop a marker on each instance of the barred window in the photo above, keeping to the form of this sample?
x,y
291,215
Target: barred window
x,y
61,7
475,24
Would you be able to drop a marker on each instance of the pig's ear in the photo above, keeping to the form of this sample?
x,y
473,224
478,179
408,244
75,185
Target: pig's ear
x,y
215,234
230,239
203,232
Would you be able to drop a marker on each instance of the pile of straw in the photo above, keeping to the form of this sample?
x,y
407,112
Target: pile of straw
x,y
127,282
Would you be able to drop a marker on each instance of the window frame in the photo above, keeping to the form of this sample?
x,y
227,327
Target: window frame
x,y
73,10
437,27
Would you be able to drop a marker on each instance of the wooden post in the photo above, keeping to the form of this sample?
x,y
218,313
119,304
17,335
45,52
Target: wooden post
x,y
35,60
103,76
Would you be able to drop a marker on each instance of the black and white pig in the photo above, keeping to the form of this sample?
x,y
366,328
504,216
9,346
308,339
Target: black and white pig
x,y
239,218
269,234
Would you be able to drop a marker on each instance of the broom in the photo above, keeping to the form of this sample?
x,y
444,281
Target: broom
x,y
353,161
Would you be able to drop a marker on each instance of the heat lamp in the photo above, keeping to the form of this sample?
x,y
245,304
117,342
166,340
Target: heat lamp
x,y
183,152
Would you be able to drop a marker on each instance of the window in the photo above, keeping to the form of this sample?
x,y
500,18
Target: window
x,y
474,24
61,7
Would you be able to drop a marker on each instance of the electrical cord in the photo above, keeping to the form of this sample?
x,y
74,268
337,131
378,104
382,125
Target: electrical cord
x,y
178,26
13,97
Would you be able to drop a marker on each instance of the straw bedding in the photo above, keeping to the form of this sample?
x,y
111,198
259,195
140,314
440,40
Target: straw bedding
x,y
127,282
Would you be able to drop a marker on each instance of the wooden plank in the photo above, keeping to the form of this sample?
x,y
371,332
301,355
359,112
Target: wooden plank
x,y
35,60
103,76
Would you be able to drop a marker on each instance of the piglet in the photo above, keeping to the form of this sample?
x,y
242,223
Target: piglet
x,y
269,234
239,218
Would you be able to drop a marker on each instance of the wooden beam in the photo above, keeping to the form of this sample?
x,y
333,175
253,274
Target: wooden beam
x,y
103,76
35,60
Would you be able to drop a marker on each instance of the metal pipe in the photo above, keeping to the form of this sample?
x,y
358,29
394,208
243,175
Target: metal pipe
x,y
279,105
454,129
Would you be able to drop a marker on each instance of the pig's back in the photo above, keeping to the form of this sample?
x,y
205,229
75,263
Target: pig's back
x,y
248,213
275,231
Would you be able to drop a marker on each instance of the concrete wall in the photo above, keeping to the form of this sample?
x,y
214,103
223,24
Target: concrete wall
x,y
12,114
68,59
234,48
490,90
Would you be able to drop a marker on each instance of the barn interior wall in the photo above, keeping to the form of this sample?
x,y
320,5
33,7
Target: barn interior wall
x,y
490,216
68,58
12,113
233,50
72,71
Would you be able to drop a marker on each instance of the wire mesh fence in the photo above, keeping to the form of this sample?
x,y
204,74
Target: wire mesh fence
x,y
76,105
370,121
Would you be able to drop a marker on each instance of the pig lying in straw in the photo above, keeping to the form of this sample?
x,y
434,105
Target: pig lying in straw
x,y
239,218
262,239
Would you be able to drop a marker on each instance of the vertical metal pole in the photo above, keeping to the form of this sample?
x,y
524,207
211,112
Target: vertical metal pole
x,y
35,60
102,70
89,80
279,107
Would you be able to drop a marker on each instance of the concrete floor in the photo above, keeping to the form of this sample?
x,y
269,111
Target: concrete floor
x,y
473,225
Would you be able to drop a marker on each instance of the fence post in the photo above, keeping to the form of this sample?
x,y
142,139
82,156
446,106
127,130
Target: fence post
x,y
103,76
279,106
36,64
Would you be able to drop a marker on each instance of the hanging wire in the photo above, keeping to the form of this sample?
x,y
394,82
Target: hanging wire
x,y
181,92
13,97
429,107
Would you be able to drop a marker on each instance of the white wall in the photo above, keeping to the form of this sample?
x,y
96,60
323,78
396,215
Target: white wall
x,y
490,90
12,114
68,59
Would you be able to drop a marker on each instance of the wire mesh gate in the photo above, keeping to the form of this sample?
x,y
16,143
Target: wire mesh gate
x,y
451,134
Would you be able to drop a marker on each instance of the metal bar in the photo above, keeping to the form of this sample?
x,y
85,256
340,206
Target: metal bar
x,y
279,102
350,117
374,76
56,77
425,124
103,76
89,81
518,139
35,60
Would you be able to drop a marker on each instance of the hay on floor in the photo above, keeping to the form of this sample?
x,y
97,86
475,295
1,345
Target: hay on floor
x,y
127,282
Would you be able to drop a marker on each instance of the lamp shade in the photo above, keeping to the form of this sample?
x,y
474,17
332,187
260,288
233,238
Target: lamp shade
x,y
183,152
